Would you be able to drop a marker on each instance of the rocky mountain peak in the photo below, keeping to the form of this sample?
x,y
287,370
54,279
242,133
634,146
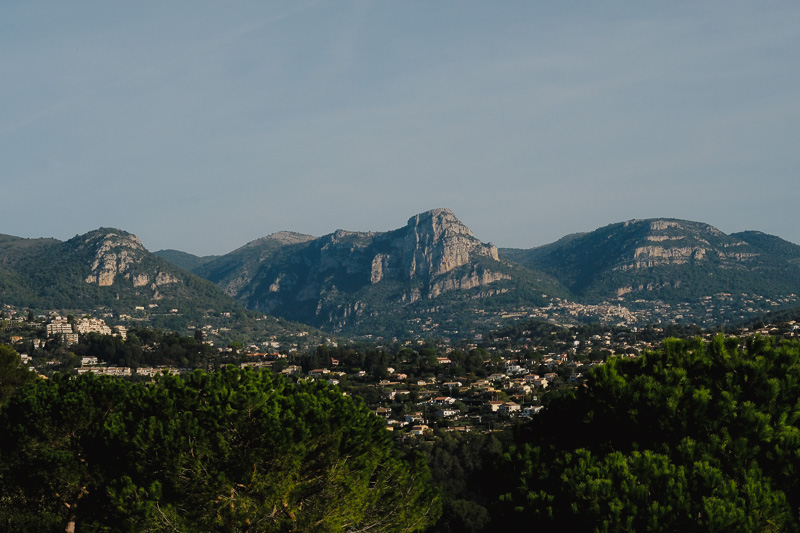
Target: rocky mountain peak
x,y
438,222
119,253
333,275
110,238
289,237
436,242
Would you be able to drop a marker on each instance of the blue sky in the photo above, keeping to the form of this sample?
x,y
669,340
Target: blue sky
x,y
203,125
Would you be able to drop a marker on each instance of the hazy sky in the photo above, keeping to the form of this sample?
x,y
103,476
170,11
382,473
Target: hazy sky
x,y
203,125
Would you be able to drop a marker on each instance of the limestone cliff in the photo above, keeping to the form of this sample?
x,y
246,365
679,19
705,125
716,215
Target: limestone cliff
x,y
330,279
117,259
431,245
674,260
436,242
114,253
679,242
106,269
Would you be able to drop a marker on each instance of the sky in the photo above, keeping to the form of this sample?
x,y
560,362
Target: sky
x,y
203,125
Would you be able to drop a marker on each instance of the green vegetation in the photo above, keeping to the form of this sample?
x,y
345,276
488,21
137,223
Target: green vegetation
x,y
48,274
327,283
693,437
465,467
143,347
227,451
146,347
362,284
185,260
12,374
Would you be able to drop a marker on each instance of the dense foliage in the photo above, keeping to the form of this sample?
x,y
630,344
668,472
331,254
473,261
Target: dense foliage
x,y
149,347
13,374
696,436
231,450
46,274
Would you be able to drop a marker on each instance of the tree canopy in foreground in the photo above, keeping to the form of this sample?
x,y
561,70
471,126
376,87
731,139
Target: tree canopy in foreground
x,y
695,436
233,450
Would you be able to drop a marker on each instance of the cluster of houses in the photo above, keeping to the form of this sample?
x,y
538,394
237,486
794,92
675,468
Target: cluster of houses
x,y
68,331
465,404
513,388
707,311
90,363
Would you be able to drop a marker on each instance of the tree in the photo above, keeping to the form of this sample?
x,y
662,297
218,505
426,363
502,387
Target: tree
x,y
695,436
232,450
236,346
12,373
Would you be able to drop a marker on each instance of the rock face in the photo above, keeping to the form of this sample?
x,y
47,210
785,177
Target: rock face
x,y
329,279
475,278
114,254
680,242
434,268
666,258
117,259
436,242
105,268
432,244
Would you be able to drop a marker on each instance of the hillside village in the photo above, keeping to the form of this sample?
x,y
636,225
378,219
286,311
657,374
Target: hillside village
x,y
482,384
708,312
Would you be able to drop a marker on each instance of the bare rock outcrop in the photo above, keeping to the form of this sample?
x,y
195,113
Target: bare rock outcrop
x,y
436,242
430,246
433,254
117,257
114,254
466,282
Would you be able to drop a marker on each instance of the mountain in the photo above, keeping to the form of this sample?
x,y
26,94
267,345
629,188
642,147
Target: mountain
x,y
109,272
668,259
433,268
770,245
184,260
103,267
429,278
241,266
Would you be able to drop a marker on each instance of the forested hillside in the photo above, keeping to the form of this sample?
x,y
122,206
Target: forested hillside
x,y
430,278
106,267
669,259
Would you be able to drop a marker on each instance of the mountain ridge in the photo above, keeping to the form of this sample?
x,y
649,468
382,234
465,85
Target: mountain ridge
x,y
605,263
430,276
109,272
334,280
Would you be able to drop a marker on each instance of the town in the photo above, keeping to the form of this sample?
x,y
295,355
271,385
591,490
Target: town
x,y
485,383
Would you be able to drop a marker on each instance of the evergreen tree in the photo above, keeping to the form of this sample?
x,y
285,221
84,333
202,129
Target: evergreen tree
x,y
233,450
